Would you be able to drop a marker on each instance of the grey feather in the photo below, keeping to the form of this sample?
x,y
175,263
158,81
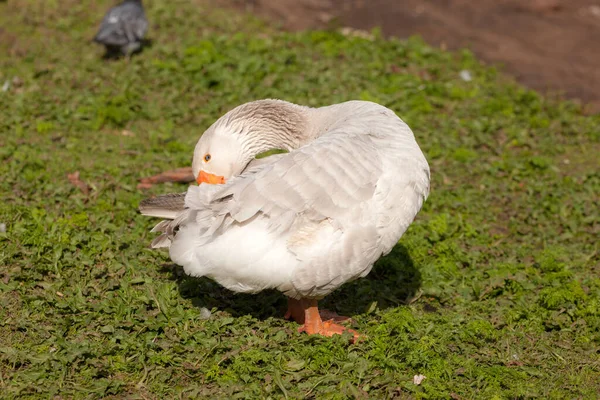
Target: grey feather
x,y
166,206
259,163
168,229
172,208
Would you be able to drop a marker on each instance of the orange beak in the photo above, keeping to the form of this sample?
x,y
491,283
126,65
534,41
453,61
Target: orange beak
x,y
205,177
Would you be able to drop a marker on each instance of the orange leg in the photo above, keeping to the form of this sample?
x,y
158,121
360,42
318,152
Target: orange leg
x,y
183,175
306,313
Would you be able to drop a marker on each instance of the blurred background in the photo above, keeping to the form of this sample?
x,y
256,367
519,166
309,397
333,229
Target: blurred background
x,y
549,45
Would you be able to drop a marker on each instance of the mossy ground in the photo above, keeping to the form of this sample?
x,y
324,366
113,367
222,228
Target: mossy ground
x,y
494,292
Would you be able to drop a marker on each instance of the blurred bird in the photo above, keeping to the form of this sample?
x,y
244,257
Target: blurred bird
x,y
123,28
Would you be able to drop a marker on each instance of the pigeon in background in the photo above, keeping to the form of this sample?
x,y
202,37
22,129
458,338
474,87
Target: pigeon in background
x,y
123,28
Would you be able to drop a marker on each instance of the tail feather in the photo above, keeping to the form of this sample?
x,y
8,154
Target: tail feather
x,y
168,229
172,208
167,206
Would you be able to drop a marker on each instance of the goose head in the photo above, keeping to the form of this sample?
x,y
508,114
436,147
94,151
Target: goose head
x,y
227,146
218,155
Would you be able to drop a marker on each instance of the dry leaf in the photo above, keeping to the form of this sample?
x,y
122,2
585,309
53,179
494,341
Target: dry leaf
x,y
75,181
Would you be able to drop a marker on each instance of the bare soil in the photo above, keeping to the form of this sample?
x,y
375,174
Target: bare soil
x,y
548,45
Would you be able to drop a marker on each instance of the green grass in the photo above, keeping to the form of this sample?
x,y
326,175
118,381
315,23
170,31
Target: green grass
x,y
493,293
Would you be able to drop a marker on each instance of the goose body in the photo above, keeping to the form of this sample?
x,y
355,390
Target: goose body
x,y
304,222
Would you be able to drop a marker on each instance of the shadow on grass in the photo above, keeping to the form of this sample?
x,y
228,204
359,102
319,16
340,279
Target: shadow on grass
x,y
113,53
393,281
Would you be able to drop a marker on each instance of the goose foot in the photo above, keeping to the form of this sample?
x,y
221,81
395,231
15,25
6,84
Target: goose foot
x,y
306,312
327,315
183,175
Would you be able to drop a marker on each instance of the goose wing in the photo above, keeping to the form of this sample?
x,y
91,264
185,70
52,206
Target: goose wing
x,y
326,179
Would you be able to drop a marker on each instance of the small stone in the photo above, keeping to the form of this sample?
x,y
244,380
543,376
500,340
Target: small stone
x,y
418,379
465,75
205,313
2,228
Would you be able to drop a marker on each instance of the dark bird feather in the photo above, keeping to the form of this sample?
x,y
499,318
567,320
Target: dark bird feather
x,y
166,206
123,27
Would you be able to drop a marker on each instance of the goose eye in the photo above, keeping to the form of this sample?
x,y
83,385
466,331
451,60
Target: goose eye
x,y
207,157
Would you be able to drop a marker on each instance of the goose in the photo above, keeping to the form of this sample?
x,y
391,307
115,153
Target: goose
x,y
303,222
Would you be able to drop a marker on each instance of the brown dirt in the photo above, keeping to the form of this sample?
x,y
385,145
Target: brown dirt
x,y
548,45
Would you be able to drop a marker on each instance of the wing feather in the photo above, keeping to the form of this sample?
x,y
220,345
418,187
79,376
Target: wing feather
x,y
317,182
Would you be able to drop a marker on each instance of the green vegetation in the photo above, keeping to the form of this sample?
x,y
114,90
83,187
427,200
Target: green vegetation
x,y
493,293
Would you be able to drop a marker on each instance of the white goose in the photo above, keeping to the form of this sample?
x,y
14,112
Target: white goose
x,y
304,222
